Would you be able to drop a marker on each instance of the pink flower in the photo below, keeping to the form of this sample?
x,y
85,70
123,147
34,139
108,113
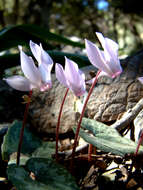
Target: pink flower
x,y
35,77
107,61
71,77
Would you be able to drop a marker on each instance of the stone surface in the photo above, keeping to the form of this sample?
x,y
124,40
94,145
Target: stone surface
x,y
109,100
44,108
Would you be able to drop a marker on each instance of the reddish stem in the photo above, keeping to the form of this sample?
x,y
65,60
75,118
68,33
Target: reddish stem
x,y
90,149
58,123
139,143
22,129
81,116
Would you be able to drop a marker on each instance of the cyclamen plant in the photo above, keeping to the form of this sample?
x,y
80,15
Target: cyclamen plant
x,y
107,62
72,78
35,77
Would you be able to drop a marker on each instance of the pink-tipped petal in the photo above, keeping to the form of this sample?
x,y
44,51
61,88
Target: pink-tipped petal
x,y
19,83
29,69
60,74
111,54
106,61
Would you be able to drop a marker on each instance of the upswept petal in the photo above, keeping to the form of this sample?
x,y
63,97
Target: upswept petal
x,y
111,50
111,46
46,65
36,50
29,69
19,83
101,39
60,74
75,77
45,73
111,54
45,58
113,61
108,43
40,54
71,71
96,57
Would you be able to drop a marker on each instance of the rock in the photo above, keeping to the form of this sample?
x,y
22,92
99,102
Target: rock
x,y
44,108
109,100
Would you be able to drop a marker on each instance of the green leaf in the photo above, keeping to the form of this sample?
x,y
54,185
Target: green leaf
x,y
31,146
11,139
13,36
107,139
21,180
49,172
48,176
45,150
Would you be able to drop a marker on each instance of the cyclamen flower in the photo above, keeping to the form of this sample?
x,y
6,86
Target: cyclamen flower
x,y
71,77
35,77
106,61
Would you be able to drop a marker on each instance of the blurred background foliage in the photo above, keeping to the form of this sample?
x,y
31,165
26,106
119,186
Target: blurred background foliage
x,y
22,20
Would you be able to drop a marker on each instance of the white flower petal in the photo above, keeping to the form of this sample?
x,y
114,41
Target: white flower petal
x,y
44,61
60,74
96,57
36,50
111,54
29,69
19,83
45,71
101,39
111,66
71,71
45,58
75,77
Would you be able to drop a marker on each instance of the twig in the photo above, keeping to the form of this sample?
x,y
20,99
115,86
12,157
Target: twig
x,y
68,153
128,117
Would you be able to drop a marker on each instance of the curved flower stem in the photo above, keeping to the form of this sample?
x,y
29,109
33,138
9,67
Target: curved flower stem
x,y
58,123
81,116
22,129
139,143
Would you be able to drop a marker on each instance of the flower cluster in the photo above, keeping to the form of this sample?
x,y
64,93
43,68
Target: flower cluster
x,y
106,61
